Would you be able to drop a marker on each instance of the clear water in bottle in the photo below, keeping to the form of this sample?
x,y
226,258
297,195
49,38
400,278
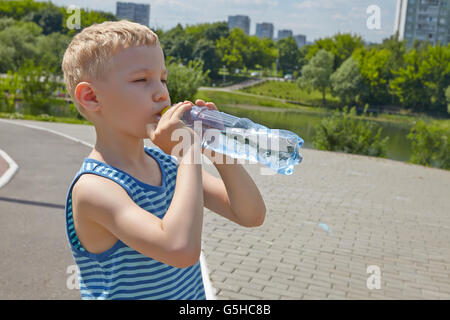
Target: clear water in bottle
x,y
241,138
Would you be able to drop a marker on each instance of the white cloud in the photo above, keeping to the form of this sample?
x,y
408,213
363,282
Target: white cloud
x,y
315,18
310,4
322,4
250,2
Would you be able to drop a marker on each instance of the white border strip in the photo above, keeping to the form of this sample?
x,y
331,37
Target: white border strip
x,y
209,289
13,167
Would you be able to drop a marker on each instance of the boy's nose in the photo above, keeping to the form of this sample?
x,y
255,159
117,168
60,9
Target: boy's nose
x,y
160,95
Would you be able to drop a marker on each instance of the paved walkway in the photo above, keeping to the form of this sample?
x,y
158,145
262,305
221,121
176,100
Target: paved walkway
x,y
3,165
382,213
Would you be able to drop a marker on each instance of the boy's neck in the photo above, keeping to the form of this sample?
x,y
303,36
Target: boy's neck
x,y
119,150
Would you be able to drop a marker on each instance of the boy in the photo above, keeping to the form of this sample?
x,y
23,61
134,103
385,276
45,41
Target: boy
x,y
134,214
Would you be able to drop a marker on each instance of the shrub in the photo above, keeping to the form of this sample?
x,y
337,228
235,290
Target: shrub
x,y
430,145
343,132
183,81
38,86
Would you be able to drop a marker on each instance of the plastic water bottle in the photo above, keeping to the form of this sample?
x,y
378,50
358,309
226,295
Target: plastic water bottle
x,y
241,138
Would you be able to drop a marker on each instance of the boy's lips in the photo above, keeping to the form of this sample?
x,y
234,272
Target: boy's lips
x,y
159,115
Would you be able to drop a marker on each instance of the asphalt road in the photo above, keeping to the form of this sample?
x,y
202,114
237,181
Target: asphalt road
x,y
384,214
34,252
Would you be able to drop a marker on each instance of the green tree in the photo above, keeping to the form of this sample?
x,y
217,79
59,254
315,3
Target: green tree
x,y
9,89
17,43
38,87
205,50
176,43
341,45
343,132
52,59
302,57
374,65
347,82
6,22
288,54
260,52
408,83
435,68
316,74
421,83
239,50
49,18
209,31
17,9
184,81
231,49
447,94
397,51
430,145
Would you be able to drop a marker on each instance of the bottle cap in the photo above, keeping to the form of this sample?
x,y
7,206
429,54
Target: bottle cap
x,y
165,109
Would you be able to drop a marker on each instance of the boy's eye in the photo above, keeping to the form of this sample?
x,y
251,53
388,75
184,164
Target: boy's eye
x,y
140,80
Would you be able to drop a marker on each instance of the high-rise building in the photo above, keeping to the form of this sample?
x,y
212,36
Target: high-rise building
x,y
284,34
239,21
137,12
264,30
300,39
423,20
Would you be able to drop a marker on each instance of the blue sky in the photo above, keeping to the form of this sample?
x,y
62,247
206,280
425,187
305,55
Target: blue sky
x,y
314,18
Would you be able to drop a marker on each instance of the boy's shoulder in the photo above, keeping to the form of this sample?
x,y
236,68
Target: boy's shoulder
x,y
96,189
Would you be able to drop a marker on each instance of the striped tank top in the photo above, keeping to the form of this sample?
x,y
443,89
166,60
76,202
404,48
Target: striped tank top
x,y
121,272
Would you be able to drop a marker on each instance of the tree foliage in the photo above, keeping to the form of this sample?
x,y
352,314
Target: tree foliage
x,y
239,50
376,72
288,54
422,82
341,45
37,88
316,74
430,145
183,81
343,132
348,83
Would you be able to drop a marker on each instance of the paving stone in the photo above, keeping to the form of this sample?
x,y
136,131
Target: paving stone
x,y
381,212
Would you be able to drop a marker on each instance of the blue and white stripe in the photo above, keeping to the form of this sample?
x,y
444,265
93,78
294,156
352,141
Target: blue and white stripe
x,y
121,272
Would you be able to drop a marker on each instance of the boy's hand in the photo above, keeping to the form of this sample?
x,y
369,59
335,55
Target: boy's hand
x,y
210,105
211,154
161,133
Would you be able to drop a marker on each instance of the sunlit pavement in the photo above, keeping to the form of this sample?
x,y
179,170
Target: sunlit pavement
x,y
388,237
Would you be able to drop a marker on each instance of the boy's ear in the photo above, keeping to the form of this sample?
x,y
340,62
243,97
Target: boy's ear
x,y
86,96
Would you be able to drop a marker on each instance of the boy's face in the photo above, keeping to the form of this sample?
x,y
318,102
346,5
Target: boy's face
x,y
135,90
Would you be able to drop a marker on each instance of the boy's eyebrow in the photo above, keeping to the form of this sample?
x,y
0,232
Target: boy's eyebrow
x,y
164,71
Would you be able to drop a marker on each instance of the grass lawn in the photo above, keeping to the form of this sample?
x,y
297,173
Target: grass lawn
x,y
291,92
242,98
238,99
47,118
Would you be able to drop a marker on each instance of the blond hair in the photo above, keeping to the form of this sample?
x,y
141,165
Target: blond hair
x,y
90,52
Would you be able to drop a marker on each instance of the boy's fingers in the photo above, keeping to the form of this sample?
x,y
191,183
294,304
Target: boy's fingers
x,y
180,110
172,109
200,102
211,105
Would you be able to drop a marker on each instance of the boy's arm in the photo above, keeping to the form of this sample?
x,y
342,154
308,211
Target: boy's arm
x,y
174,240
235,196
